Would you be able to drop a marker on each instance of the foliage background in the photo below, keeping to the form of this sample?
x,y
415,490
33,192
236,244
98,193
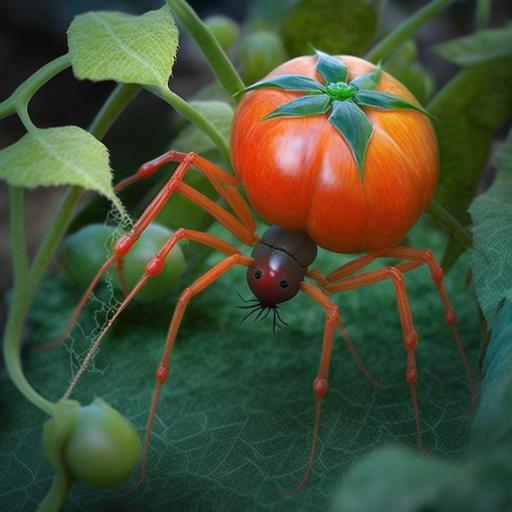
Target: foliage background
x,y
242,396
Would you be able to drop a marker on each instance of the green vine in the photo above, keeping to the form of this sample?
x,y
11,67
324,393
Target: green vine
x,y
405,30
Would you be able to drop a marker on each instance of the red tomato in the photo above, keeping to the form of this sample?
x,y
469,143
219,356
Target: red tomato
x,y
299,173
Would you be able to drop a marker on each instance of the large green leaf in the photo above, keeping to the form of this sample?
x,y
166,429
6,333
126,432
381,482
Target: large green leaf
x,y
466,114
494,418
59,156
234,422
478,47
116,46
492,230
399,479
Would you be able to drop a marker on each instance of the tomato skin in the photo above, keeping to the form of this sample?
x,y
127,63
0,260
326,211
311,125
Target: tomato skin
x,y
299,173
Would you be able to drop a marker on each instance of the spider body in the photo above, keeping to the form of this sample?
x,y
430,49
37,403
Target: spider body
x,y
345,166
281,260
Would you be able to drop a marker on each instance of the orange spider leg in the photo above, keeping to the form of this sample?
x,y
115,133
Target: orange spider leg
x,y
323,281
320,384
127,241
153,268
162,372
345,270
223,182
410,336
425,256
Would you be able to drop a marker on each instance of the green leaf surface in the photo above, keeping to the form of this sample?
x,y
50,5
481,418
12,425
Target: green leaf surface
x,y
305,106
392,479
107,45
494,418
465,118
492,231
191,138
385,101
355,128
331,68
478,47
288,83
369,80
233,427
59,156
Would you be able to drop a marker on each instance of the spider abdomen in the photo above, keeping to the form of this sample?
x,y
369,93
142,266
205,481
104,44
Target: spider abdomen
x,y
299,172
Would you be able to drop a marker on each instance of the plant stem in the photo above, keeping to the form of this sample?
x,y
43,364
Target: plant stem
x,y
24,291
194,116
442,215
30,86
394,39
58,493
15,320
482,14
217,59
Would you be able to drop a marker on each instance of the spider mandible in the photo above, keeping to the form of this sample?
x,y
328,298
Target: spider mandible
x,y
331,151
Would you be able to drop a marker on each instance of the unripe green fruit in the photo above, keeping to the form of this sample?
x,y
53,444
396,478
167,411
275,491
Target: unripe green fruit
x,y
103,448
86,250
93,444
260,53
225,30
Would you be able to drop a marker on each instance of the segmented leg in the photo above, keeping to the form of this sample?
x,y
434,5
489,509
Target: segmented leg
x,y
153,268
162,372
410,337
322,281
426,257
222,181
320,384
243,229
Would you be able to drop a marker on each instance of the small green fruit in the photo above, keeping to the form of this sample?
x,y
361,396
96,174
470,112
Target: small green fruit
x,y
225,30
103,448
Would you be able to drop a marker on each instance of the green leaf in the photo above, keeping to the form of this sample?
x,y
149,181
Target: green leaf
x,y
478,47
368,80
393,478
493,420
233,426
331,68
355,127
191,138
116,46
59,156
492,230
304,106
465,118
288,83
385,101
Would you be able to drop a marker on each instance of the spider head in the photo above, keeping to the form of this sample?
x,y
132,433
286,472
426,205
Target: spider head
x,y
275,276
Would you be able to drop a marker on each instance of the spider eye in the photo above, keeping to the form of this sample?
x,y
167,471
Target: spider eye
x,y
283,284
258,274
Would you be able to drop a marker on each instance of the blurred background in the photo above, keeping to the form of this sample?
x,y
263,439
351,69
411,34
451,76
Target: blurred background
x,y
32,32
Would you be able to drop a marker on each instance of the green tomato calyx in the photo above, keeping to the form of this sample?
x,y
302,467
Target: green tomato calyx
x,y
340,91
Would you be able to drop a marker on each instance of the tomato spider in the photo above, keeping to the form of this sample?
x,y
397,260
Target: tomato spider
x,y
353,182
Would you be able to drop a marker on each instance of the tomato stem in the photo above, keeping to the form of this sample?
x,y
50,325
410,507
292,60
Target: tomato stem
x,y
452,225
57,496
394,39
215,55
194,116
